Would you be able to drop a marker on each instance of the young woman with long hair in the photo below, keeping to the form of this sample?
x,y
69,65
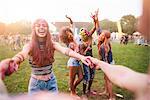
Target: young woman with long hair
x,y
67,37
40,51
105,53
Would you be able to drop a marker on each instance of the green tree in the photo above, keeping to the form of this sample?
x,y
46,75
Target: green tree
x,y
128,24
108,25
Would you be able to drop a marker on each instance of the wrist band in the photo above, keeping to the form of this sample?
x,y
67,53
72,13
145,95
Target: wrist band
x,y
20,57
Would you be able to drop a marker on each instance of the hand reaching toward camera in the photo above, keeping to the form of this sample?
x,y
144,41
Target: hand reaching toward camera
x,y
7,67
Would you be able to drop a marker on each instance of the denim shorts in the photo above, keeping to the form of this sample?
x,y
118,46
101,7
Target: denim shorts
x,y
88,74
73,62
36,85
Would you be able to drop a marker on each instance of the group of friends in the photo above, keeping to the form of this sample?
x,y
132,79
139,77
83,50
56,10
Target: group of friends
x,y
84,47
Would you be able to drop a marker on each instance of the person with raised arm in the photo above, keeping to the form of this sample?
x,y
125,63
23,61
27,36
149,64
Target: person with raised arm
x,y
89,73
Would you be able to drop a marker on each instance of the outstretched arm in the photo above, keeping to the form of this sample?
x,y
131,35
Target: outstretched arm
x,y
8,66
71,53
96,23
95,18
93,28
123,76
21,56
71,22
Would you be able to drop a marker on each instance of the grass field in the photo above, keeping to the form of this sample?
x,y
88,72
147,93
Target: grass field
x,y
135,57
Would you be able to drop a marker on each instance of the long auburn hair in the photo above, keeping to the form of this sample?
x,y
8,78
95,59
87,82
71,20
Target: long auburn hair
x,y
101,41
42,58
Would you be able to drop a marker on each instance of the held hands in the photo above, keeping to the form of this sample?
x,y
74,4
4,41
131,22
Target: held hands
x,y
94,62
86,60
7,67
90,61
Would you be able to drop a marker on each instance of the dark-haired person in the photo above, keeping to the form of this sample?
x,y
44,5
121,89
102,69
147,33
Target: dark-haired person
x,y
67,37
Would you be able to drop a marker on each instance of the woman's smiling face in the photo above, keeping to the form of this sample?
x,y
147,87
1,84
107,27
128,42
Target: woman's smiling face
x,y
41,28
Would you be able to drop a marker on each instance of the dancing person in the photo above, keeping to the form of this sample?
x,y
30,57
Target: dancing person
x,y
125,77
40,51
67,37
89,73
72,27
105,54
